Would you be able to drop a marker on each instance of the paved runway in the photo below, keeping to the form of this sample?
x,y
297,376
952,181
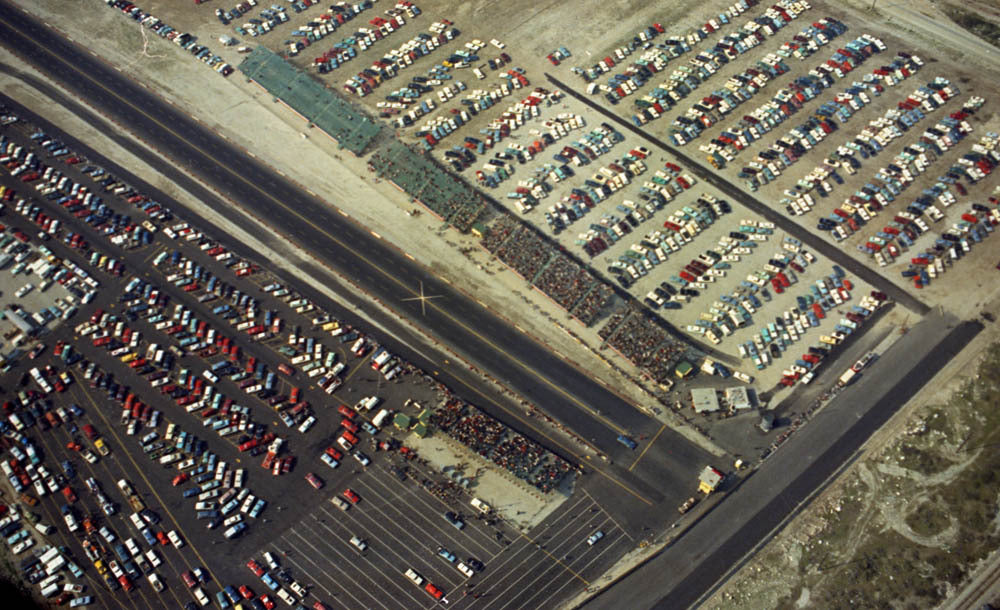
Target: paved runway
x,y
777,216
567,394
685,571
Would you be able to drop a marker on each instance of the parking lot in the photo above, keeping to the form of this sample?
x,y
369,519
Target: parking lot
x,y
136,327
252,403
519,570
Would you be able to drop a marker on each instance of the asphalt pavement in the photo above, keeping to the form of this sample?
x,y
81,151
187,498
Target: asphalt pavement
x,y
831,251
682,574
567,394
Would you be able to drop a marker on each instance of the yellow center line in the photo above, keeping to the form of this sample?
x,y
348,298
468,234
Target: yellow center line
x,y
99,580
333,238
585,582
89,467
648,445
139,470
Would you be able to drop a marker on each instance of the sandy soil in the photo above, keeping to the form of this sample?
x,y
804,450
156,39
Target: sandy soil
x,y
233,106
880,492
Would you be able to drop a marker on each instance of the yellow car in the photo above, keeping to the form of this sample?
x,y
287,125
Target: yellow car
x,y
129,357
102,447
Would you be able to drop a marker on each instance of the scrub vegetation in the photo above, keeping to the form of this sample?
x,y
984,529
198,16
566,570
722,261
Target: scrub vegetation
x,y
905,526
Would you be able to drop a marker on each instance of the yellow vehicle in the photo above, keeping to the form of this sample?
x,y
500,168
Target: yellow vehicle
x,y
102,447
101,568
331,325
129,357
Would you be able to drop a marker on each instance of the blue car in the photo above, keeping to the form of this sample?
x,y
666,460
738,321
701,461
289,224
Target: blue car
x,y
627,441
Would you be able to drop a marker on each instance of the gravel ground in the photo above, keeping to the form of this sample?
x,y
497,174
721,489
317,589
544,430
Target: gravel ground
x,y
880,481
229,106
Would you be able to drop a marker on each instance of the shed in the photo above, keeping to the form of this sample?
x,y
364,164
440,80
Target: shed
x,y
401,421
683,369
705,400
709,480
421,430
23,323
738,398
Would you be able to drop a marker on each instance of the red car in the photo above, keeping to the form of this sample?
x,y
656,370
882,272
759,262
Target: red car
x,y
314,481
189,579
350,495
346,411
350,425
255,568
334,453
162,538
180,478
434,591
246,592
68,492
267,601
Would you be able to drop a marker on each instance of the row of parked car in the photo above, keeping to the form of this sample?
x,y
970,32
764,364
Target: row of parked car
x,y
736,309
182,39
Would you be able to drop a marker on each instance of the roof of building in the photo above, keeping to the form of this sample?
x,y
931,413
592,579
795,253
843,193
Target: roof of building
x,y
709,479
683,368
24,325
402,421
423,178
738,397
352,128
705,400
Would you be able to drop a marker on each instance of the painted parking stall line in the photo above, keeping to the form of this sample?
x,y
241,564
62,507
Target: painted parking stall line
x,y
389,535
471,523
578,550
543,603
356,558
299,567
324,573
439,528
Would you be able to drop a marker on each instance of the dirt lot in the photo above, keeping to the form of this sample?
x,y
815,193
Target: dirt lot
x,y
237,109
908,522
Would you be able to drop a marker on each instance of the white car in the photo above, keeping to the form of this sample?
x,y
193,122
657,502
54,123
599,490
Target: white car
x,y
308,423
200,595
358,543
464,569
592,540
415,578
175,539
155,581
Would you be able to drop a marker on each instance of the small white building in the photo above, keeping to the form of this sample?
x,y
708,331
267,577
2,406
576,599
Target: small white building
x,y
705,400
738,398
